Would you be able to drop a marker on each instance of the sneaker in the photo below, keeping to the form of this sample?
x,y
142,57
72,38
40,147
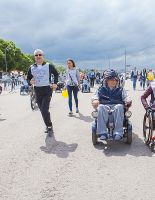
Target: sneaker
x,y
70,113
77,110
50,131
117,137
46,130
104,136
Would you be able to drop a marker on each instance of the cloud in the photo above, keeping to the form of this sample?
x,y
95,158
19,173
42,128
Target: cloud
x,y
91,32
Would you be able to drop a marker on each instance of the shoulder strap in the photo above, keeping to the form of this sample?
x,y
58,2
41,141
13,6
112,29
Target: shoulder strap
x,y
71,78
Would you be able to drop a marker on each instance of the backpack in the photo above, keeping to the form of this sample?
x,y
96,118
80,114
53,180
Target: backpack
x,y
92,75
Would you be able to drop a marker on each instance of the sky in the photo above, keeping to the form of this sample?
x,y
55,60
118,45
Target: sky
x,y
94,33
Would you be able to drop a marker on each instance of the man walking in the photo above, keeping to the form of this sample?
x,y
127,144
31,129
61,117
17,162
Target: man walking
x,y
134,76
39,74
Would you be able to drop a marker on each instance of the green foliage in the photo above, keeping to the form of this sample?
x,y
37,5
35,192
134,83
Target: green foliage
x,y
1,59
60,68
15,59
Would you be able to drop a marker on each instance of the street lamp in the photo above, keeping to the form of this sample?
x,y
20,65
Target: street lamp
x,y
128,66
6,67
125,62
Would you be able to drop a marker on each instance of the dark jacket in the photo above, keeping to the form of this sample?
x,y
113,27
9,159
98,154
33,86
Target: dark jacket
x,y
134,74
107,96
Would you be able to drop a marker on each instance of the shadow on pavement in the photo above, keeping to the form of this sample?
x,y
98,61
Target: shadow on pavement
x,y
1,119
84,118
60,149
137,148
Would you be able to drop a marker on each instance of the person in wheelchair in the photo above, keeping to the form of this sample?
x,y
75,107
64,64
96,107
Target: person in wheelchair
x,y
110,96
61,83
85,85
150,91
60,86
24,86
149,117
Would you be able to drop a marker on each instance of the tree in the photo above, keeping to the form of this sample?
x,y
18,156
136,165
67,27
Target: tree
x,y
60,68
1,60
16,60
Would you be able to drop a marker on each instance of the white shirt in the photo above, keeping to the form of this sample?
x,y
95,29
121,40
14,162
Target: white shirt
x,y
73,77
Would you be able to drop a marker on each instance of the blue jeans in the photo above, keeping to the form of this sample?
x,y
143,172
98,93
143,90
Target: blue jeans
x,y
134,82
73,89
103,116
85,86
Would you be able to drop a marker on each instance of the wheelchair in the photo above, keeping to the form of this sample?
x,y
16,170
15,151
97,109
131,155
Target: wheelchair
x,y
127,126
60,86
85,88
33,101
148,128
24,90
0,89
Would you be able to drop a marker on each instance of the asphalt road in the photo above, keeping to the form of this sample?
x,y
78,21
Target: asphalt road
x,y
68,166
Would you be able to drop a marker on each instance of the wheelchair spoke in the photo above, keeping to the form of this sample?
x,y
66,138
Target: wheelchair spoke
x,y
147,128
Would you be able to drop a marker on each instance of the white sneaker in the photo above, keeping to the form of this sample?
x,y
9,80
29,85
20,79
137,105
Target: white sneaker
x,y
70,113
104,136
77,110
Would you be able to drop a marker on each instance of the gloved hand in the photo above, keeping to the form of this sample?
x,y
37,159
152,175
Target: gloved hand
x,y
148,110
128,104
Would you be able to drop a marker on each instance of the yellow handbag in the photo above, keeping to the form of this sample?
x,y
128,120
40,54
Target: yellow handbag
x,y
65,93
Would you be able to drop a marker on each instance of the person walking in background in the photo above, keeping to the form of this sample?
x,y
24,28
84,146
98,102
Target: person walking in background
x,y
39,74
92,78
5,79
72,83
143,78
134,76
12,82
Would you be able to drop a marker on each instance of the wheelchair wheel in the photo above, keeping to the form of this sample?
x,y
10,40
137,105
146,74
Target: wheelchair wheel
x,y
129,133
147,128
94,138
129,138
0,89
33,104
152,146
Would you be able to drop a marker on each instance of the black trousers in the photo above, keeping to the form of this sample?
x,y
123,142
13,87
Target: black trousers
x,y
92,82
43,96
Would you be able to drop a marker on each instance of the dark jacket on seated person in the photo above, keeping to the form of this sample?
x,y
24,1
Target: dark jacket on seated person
x,y
117,95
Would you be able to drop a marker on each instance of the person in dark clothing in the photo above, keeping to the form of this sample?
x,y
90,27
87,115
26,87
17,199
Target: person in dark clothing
x,y
39,75
134,76
12,82
92,77
143,75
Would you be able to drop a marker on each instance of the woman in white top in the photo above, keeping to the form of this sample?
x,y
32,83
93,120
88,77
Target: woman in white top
x,y
72,82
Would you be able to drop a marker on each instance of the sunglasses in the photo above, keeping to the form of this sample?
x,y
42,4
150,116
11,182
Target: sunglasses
x,y
38,55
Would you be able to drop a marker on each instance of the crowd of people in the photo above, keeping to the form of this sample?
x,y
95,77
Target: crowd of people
x,y
12,81
110,94
145,77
